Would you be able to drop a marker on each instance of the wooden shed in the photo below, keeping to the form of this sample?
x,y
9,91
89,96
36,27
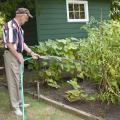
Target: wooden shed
x,y
57,19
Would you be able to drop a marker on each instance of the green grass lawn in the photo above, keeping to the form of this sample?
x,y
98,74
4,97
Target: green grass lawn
x,y
37,110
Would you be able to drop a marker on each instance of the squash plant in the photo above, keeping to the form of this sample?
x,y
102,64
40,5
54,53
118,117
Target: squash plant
x,y
52,70
2,20
76,93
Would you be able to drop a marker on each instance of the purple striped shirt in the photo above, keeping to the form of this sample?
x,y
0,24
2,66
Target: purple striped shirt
x,y
13,33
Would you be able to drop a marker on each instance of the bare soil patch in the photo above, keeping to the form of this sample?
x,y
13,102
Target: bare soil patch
x,y
108,112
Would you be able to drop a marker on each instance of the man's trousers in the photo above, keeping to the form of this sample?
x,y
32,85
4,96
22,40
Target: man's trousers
x,y
12,68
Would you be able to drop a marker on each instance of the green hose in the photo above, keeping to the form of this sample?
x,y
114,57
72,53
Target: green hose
x,y
22,89
29,58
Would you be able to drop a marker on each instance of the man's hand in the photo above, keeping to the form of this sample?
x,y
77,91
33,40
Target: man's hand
x,y
34,55
29,51
21,61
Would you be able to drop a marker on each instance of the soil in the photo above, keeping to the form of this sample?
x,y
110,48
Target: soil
x,y
108,112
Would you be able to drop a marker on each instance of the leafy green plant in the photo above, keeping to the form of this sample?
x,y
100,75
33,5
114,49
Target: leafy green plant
x,y
13,5
2,19
52,83
115,10
101,64
74,84
77,93
73,95
55,70
107,97
96,57
49,74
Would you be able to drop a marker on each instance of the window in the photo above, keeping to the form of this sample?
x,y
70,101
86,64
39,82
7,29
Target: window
x,y
77,11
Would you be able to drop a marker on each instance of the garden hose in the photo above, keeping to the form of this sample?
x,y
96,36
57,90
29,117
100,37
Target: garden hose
x,y
22,89
22,92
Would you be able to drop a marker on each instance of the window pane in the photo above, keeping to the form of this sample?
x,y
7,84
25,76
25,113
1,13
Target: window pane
x,y
71,15
82,15
70,7
77,11
76,15
82,7
76,7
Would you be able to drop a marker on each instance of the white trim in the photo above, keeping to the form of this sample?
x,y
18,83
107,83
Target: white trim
x,y
78,2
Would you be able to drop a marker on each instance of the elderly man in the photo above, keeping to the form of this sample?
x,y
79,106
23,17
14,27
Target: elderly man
x,y
13,38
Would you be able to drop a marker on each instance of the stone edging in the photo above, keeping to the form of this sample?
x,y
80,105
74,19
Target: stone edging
x,y
82,114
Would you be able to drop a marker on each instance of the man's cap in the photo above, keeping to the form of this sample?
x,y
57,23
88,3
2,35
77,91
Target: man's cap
x,y
24,11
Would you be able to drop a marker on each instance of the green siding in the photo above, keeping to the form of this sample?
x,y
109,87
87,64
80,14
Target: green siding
x,y
52,18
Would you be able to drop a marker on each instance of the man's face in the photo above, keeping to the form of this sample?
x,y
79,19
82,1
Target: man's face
x,y
24,18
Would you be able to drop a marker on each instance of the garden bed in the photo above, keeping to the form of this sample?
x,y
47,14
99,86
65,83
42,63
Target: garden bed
x,y
108,112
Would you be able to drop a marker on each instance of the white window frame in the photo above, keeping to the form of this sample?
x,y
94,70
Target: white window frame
x,y
77,2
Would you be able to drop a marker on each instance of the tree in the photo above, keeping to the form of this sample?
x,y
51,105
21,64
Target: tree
x,y
115,10
8,8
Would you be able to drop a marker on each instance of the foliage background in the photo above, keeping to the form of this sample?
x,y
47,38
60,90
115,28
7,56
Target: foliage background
x,y
8,8
96,57
115,10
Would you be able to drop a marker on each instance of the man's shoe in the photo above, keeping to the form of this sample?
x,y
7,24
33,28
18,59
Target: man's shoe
x,y
18,112
25,105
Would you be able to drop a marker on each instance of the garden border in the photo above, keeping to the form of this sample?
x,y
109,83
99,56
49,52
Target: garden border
x,y
82,114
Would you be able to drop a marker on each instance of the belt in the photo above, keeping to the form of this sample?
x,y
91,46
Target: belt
x,y
8,50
